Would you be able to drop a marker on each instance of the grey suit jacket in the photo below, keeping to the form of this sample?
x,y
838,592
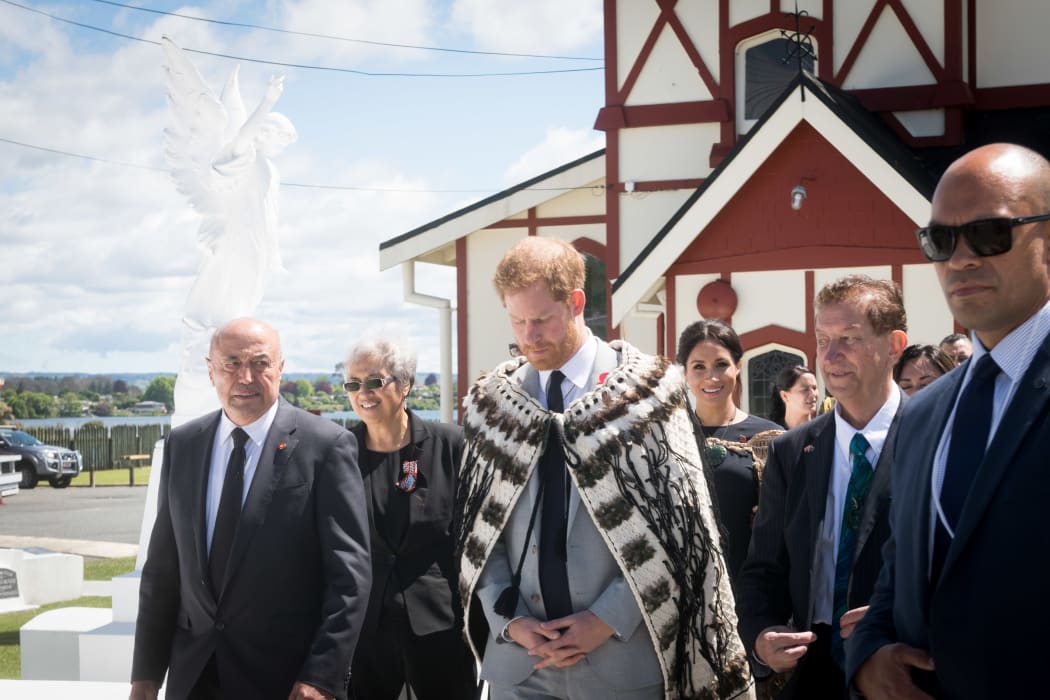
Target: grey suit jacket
x,y
297,581
626,660
984,622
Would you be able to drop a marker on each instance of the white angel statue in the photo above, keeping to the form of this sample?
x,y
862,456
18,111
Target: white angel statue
x,y
220,159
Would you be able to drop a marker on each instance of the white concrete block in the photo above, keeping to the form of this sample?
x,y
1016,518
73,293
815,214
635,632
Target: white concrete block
x,y
51,577
50,646
125,591
105,652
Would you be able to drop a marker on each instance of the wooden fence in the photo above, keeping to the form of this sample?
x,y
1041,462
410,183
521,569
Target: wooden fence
x,y
102,447
106,448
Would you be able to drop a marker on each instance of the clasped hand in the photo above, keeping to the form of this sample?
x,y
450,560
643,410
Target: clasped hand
x,y
561,642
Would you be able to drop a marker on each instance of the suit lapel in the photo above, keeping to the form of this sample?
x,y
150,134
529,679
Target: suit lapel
x,y
198,467
1018,420
276,452
816,465
420,509
880,483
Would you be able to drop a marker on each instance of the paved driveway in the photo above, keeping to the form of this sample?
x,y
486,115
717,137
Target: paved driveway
x,y
103,513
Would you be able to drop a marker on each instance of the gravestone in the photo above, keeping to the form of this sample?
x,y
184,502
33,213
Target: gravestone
x,y
8,584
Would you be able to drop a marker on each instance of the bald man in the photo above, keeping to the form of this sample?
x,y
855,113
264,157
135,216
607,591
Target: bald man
x,y
258,570
960,609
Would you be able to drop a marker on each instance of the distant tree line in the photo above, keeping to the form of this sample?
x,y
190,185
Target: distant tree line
x,y
51,397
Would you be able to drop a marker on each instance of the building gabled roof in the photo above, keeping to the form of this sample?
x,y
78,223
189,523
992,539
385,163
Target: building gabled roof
x,y
441,232
860,136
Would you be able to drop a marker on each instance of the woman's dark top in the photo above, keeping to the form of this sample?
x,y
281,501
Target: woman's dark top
x,y
735,483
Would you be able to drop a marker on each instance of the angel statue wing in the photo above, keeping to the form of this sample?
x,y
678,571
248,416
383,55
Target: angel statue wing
x,y
220,160
197,129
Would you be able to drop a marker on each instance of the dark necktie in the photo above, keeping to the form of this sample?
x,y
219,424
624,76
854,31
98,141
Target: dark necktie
x,y
554,576
856,492
229,511
973,420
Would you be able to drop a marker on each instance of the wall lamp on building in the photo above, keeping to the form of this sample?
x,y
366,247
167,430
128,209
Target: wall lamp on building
x,y
798,193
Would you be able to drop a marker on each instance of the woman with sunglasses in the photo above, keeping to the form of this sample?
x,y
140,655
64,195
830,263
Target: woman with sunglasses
x,y
412,635
711,353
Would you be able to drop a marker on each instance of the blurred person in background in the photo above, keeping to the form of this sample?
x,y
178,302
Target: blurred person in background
x,y
795,396
919,365
957,347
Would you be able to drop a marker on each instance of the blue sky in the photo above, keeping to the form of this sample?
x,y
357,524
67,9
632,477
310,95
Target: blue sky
x,y
98,257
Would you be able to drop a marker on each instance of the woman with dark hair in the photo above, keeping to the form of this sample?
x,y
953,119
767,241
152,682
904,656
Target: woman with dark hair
x,y
919,365
711,354
412,634
795,397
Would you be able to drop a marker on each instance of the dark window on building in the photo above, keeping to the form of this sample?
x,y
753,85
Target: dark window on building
x,y
762,371
767,73
594,287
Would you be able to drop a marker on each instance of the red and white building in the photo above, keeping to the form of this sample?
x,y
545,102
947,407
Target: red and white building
x,y
694,208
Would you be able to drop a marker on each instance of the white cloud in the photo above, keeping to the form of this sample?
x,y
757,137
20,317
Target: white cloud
x,y
538,26
561,145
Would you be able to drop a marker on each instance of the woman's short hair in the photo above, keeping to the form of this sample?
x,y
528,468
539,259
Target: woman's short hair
x,y
936,357
392,349
716,331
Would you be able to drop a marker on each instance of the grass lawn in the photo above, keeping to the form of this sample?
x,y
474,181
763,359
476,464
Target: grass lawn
x,y
112,477
10,623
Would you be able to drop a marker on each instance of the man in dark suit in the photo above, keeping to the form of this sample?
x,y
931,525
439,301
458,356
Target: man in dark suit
x,y
258,570
959,610
823,507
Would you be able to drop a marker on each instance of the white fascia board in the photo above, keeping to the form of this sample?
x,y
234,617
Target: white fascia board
x,y
420,245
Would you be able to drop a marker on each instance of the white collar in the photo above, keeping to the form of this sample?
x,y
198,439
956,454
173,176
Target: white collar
x,y
256,430
577,369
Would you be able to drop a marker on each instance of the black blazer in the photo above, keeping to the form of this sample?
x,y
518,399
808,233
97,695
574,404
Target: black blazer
x,y
985,622
421,566
774,586
293,602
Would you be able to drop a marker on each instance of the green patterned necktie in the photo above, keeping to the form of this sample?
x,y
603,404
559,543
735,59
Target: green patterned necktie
x,y
856,492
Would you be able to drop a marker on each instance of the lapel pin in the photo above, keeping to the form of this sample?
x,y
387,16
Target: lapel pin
x,y
282,445
808,448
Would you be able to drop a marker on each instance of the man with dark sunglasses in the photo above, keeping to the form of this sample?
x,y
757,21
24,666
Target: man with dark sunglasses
x,y
959,611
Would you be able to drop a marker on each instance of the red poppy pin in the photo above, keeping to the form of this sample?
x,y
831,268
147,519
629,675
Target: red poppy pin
x,y
602,377
282,446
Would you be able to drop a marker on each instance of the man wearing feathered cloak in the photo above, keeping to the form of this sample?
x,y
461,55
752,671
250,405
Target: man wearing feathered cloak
x,y
587,542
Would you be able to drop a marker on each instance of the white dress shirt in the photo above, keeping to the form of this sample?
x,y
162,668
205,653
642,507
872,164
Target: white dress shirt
x,y
577,371
841,468
220,455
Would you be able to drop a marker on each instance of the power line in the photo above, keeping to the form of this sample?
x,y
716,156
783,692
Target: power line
x,y
346,188
302,65
228,23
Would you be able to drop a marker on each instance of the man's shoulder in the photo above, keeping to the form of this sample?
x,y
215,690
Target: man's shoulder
x,y
309,422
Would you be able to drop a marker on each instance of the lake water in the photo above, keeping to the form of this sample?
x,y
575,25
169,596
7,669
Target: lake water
x,y
166,420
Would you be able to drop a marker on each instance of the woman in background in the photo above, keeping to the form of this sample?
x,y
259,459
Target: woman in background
x,y
919,365
795,397
711,353
412,634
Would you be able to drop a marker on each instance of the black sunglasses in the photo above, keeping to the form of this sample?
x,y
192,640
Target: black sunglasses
x,y
985,237
371,384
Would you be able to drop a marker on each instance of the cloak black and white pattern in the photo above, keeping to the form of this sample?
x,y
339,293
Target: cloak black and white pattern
x,y
631,452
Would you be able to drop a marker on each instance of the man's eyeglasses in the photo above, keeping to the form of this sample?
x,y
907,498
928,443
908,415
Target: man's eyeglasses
x,y
985,237
258,366
371,384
